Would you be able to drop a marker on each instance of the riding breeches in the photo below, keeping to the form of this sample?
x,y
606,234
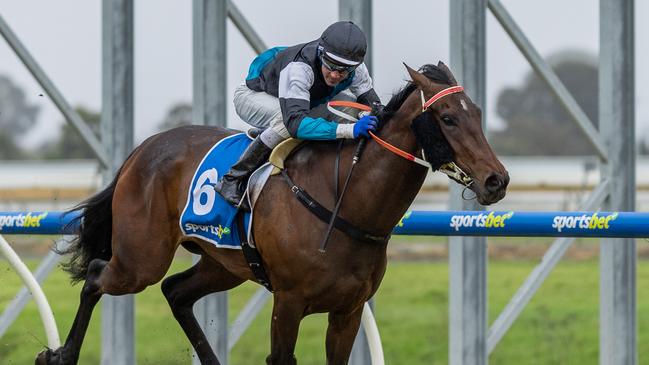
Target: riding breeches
x,y
262,110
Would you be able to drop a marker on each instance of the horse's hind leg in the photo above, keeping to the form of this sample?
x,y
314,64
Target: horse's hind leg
x,y
341,333
123,274
288,311
182,290
90,295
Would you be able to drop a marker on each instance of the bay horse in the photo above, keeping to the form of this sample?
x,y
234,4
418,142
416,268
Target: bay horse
x,y
129,232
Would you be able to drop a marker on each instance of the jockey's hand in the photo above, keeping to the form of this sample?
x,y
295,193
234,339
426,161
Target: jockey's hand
x,y
364,125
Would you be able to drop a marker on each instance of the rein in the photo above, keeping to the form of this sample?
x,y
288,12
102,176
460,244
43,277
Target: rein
x,y
450,169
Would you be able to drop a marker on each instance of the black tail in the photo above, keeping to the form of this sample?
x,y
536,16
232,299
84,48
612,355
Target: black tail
x,y
95,231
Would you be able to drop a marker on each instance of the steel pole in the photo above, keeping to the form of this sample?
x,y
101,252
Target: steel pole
x,y
468,255
118,328
618,326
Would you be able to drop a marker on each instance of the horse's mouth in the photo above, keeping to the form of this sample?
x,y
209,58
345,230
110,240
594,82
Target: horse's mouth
x,y
477,193
491,191
490,198
487,191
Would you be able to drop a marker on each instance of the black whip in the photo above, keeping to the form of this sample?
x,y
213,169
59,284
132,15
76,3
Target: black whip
x,y
334,214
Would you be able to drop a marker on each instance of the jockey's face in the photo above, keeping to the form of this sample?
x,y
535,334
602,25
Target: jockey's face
x,y
333,78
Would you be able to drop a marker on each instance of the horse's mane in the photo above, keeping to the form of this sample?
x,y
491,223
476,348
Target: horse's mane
x,y
431,71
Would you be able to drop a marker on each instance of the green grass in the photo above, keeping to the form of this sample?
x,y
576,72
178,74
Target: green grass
x,y
560,326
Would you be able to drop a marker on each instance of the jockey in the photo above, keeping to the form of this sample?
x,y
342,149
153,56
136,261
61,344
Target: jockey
x,y
286,91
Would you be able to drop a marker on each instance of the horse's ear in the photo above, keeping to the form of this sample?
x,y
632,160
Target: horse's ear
x,y
418,78
447,71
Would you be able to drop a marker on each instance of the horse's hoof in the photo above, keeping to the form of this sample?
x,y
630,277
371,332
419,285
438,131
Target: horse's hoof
x,y
49,357
43,357
270,360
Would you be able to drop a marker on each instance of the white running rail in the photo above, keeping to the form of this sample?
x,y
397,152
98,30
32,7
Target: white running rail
x,y
44,309
372,335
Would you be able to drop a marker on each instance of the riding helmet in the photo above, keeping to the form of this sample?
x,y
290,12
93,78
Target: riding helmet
x,y
344,43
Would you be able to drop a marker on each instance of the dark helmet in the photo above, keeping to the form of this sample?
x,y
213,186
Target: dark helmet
x,y
344,43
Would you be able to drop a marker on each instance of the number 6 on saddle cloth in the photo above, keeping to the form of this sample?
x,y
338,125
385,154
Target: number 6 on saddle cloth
x,y
207,215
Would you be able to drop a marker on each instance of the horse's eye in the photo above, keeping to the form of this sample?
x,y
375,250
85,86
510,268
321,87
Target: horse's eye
x,y
448,121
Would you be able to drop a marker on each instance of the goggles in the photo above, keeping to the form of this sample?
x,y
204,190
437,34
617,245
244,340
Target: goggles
x,y
333,66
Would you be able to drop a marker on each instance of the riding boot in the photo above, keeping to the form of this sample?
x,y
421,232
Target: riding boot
x,y
232,185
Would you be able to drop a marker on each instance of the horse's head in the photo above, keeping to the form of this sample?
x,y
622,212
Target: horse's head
x,y
450,131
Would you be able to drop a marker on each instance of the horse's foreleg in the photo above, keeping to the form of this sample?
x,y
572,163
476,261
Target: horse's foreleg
x,y
90,294
341,333
182,290
288,311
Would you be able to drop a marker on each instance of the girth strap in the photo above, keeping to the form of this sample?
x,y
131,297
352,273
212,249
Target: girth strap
x,y
324,215
252,255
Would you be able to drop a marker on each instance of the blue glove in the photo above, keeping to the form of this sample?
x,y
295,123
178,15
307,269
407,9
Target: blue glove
x,y
364,125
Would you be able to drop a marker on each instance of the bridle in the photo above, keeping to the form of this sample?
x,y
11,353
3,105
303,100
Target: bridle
x,y
450,168
448,91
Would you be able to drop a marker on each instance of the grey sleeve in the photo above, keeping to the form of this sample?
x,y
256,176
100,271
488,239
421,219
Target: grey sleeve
x,y
295,80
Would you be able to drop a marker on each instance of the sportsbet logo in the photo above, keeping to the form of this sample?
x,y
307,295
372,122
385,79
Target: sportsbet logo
x,y
21,220
491,220
583,221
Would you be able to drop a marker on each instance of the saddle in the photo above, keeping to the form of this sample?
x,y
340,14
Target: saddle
x,y
281,152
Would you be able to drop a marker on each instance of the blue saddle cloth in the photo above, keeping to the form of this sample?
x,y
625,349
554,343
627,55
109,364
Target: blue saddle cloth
x,y
207,215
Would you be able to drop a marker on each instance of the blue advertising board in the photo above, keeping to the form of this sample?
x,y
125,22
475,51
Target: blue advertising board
x,y
435,223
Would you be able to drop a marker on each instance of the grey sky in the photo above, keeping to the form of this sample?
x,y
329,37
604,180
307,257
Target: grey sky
x,y
64,36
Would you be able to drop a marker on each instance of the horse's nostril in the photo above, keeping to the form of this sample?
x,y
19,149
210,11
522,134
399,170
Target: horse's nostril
x,y
495,182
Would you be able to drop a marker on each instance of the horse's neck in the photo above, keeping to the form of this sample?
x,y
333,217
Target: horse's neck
x,y
387,182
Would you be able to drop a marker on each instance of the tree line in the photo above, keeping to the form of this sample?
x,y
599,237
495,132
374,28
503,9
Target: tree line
x,y
535,122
